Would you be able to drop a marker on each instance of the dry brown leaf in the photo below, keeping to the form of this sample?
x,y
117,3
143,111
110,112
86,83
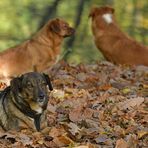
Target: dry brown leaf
x,y
59,136
121,143
81,76
56,131
128,104
24,139
74,129
63,140
105,87
119,131
76,114
82,146
102,138
51,108
132,140
50,144
88,113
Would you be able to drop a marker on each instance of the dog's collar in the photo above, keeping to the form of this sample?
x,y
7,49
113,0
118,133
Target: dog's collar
x,y
29,112
32,114
24,109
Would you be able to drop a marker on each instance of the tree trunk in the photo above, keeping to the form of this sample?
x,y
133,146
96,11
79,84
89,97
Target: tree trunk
x,y
70,42
49,12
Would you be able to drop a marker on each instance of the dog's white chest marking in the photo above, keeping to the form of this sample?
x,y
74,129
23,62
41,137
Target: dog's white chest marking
x,y
36,107
39,110
107,17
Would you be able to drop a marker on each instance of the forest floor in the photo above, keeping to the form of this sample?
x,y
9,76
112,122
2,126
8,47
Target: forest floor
x,y
97,105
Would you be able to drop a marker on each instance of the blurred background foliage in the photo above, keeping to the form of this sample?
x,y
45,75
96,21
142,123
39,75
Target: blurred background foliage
x,y
20,19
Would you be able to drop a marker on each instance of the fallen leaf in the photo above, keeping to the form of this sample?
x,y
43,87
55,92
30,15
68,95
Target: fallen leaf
x,y
40,141
51,108
58,94
65,140
56,131
121,143
119,131
74,129
126,90
26,140
82,146
130,103
102,138
132,140
76,114
105,87
142,134
88,113
81,76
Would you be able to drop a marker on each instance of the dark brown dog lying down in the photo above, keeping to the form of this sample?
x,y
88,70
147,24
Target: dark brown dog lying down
x,y
40,52
115,45
23,104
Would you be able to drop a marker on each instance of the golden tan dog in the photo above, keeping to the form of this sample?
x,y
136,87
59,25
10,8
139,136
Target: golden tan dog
x,y
115,45
40,52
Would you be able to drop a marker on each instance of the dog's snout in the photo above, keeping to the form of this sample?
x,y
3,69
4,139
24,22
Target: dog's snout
x,y
72,30
41,97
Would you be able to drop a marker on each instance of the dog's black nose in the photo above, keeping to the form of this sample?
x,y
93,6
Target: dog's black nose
x,y
41,97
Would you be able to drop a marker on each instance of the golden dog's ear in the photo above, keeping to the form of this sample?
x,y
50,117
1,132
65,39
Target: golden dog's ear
x,y
48,81
16,84
109,9
93,11
100,10
55,26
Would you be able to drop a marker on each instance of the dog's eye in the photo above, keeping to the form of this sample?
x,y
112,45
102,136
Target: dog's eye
x,y
29,85
44,83
64,26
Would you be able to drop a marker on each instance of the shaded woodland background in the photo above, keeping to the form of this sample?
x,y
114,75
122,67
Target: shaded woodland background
x,y
20,19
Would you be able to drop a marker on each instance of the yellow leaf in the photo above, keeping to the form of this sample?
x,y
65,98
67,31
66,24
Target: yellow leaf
x,y
82,146
58,94
126,90
41,141
142,133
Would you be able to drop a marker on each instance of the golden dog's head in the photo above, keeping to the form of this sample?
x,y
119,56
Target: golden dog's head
x,y
102,18
60,27
31,92
96,11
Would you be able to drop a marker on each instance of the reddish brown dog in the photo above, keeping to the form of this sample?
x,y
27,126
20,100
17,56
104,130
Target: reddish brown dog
x,y
115,45
40,52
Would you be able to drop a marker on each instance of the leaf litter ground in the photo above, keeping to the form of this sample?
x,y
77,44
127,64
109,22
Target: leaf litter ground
x,y
92,106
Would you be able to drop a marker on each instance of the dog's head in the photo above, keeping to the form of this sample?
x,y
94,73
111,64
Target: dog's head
x,y
31,90
60,27
102,14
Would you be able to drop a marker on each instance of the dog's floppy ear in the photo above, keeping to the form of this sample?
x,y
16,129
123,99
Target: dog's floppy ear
x,y
93,11
100,10
110,9
48,81
16,84
55,26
